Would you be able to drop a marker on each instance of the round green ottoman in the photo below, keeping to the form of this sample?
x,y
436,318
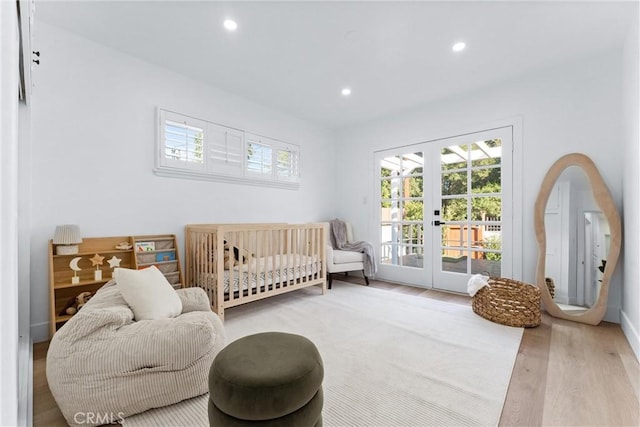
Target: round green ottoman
x,y
267,377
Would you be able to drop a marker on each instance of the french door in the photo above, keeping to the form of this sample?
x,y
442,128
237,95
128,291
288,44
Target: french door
x,y
445,209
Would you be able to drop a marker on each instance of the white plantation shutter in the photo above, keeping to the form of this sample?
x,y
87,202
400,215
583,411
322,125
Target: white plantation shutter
x,y
226,148
182,142
287,166
259,156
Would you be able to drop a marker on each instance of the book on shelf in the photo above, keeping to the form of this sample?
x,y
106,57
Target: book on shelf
x,y
165,256
145,246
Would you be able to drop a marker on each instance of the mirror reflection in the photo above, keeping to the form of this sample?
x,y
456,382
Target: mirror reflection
x,y
578,239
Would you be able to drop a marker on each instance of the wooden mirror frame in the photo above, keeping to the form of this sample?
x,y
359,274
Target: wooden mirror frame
x,y
593,315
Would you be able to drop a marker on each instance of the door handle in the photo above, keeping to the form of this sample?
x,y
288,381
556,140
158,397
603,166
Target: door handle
x,y
437,222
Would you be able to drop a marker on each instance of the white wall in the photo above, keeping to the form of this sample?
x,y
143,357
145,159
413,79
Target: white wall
x,y
25,401
9,135
573,107
94,129
631,179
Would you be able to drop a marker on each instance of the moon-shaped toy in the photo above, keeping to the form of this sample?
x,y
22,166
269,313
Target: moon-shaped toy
x,y
74,264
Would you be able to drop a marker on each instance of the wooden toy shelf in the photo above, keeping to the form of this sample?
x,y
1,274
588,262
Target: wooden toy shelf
x,y
62,289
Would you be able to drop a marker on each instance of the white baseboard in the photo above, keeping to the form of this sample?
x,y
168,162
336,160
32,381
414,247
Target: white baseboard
x,y
631,334
40,332
25,382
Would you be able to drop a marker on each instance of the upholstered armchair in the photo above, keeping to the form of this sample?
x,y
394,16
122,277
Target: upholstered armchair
x,y
340,261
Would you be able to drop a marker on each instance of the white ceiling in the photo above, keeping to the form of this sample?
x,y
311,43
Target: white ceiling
x,y
297,56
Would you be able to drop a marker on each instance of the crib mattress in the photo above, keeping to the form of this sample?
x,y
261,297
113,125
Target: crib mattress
x,y
264,271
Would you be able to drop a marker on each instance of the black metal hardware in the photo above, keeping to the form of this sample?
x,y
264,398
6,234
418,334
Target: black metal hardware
x,y
436,212
437,222
37,61
36,52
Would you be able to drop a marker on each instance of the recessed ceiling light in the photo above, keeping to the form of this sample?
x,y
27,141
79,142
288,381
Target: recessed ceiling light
x,y
346,91
459,46
230,24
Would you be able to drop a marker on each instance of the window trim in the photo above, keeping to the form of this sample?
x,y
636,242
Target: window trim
x,y
167,168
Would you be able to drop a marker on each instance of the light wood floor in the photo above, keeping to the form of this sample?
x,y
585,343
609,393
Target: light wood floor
x,y
566,374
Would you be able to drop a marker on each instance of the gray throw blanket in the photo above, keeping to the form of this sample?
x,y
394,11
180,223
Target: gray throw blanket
x,y
339,240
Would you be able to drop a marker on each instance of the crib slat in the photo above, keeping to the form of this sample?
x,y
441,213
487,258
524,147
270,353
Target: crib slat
x,y
303,256
263,242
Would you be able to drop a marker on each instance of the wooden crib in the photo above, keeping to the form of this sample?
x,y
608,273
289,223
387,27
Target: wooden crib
x,y
240,263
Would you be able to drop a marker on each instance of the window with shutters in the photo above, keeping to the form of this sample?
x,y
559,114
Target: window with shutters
x,y
194,148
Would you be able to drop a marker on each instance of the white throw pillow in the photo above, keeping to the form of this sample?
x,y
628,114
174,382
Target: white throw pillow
x,y
148,293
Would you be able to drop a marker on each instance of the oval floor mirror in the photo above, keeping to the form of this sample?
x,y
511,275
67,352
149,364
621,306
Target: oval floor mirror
x,y
579,236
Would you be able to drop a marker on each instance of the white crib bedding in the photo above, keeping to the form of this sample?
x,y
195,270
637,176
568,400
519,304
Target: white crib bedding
x,y
265,271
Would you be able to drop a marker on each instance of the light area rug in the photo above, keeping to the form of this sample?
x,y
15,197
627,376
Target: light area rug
x,y
390,359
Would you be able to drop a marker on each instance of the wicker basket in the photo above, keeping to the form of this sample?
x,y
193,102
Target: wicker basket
x,y
508,302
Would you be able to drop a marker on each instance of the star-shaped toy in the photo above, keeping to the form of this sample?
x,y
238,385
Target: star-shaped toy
x,y
114,262
96,260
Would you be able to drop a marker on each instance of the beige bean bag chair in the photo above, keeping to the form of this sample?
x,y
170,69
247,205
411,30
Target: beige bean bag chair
x,y
103,366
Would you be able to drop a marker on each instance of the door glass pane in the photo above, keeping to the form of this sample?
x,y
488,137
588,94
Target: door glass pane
x,y
385,189
389,232
454,261
486,152
386,203
386,207
454,183
385,253
486,207
486,180
388,170
491,240
413,234
454,209
455,236
487,263
454,157
389,210
412,164
389,237
389,166
413,210
412,187
394,188
412,256
476,236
